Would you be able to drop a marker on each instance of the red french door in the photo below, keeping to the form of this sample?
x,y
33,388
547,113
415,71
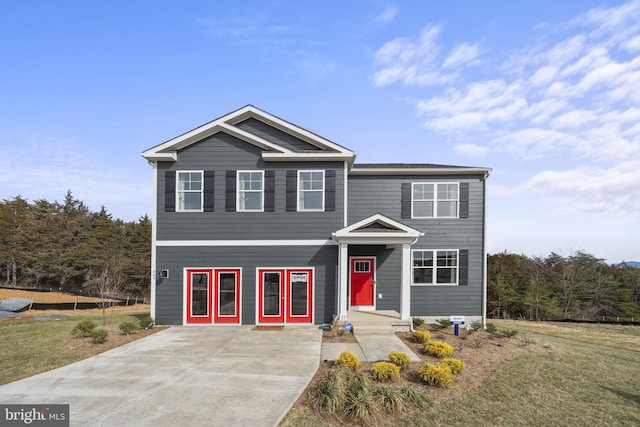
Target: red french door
x,y
285,295
199,309
362,283
227,296
271,296
299,296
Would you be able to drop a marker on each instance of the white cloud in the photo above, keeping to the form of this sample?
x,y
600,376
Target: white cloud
x,y
463,54
471,150
573,119
387,15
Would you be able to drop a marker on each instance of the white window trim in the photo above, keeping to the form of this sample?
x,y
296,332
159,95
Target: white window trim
x,y
300,190
435,200
201,191
239,191
435,267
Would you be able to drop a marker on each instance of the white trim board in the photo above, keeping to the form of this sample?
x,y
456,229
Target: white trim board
x,y
175,243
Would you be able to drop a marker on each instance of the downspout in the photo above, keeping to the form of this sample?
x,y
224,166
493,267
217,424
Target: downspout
x,y
154,234
484,253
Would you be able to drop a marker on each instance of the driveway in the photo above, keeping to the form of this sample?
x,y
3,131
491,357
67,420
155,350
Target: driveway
x,y
196,376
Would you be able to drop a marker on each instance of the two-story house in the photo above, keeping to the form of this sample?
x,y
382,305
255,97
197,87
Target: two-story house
x,y
259,221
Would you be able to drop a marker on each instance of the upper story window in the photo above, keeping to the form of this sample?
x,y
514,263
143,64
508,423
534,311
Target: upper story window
x,y
434,200
250,191
435,267
310,190
189,191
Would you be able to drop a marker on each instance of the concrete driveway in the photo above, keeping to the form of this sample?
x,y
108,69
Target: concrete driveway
x,y
195,376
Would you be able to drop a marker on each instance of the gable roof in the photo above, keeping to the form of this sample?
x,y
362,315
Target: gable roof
x,y
376,229
326,150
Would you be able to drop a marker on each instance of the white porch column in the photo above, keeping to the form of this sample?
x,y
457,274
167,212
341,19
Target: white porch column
x,y
405,277
343,280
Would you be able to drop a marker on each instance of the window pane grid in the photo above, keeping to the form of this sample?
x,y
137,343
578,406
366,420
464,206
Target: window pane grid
x,y
434,200
250,186
189,191
311,190
444,271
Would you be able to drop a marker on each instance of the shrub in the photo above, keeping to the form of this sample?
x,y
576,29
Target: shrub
x,y
98,336
146,322
127,327
415,397
436,375
491,327
349,359
509,332
443,322
455,366
417,321
385,371
83,329
421,336
438,349
400,359
475,325
331,390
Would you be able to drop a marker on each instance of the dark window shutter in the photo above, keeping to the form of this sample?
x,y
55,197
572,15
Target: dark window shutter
x,y
292,191
405,212
463,266
169,191
269,190
208,190
330,190
464,200
230,192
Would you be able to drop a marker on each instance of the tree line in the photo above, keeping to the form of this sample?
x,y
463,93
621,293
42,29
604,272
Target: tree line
x,y
576,286
65,246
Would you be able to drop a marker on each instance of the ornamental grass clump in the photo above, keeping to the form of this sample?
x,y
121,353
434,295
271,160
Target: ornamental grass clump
x,y
331,391
348,359
421,336
438,349
436,375
455,366
400,359
385,371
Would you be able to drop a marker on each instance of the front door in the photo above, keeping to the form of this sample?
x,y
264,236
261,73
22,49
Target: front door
x,y
271,296
362,281
227,296
199,296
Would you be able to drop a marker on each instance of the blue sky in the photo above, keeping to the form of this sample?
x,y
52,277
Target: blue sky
x,y
547,93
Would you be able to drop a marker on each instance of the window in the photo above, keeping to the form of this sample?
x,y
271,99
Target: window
x,y
435,267
311,190
189,194
434,200
250,191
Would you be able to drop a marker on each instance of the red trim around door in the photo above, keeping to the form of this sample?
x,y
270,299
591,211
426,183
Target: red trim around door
x,y
361,272
271,296
199,308
227,296
300,296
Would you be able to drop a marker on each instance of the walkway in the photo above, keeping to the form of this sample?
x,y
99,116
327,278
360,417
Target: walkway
x,y
375,333
196,376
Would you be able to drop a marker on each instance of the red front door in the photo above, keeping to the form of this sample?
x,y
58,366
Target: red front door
x,y
199,296
362,285
271,296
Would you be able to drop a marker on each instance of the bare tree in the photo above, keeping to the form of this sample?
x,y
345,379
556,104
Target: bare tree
x,y
107,285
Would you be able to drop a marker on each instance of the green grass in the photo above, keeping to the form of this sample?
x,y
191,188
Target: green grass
x,y
29,348
591,376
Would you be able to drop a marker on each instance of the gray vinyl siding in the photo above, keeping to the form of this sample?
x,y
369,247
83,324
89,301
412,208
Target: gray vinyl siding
x,y
276,136
170,292
382,194
223,152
